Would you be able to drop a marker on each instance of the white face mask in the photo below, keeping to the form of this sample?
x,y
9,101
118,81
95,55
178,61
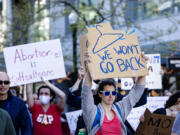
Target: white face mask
x,y
44,99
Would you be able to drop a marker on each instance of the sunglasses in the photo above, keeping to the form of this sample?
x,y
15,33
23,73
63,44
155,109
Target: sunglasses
x,y
4,82
107,93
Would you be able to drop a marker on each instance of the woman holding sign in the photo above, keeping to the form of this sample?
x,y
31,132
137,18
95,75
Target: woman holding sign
x,y
46,116
107,118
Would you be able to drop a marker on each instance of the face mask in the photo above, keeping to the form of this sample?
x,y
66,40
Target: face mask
x,y
44,99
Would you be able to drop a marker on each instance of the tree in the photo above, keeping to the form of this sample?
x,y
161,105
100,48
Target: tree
x,y
24,23
121,14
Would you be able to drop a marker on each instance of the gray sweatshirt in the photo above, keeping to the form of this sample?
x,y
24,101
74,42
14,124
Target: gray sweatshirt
x,y
125,105
6,125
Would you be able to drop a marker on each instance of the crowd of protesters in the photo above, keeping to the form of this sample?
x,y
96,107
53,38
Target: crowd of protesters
x,y
104,109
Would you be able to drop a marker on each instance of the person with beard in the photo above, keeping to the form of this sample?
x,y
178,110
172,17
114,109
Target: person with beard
x,y
46,116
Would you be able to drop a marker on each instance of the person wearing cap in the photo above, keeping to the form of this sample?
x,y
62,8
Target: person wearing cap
x,y
15,107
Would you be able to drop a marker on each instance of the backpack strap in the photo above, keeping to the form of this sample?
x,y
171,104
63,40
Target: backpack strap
x,y
97,119
119,111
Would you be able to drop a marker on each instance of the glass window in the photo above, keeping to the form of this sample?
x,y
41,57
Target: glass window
x,y
147,9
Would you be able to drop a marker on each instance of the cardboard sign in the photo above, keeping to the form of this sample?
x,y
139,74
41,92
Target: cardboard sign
x,y
155,124
115,53
153,103
28,63
72,118
153,80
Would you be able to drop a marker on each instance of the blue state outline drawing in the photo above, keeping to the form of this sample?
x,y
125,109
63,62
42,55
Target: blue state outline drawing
x,y
120,37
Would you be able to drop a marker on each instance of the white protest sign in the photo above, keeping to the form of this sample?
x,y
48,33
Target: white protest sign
x,y
126,83
154,79
72,118
29,62
153,103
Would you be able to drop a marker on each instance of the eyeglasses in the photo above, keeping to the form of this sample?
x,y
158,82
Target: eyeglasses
x,y
107,93
4,82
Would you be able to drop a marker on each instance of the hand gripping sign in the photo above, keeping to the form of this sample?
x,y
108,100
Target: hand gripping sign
x,y
155,124
114,53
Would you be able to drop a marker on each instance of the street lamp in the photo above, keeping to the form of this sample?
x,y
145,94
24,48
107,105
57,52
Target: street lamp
x,y
72,18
